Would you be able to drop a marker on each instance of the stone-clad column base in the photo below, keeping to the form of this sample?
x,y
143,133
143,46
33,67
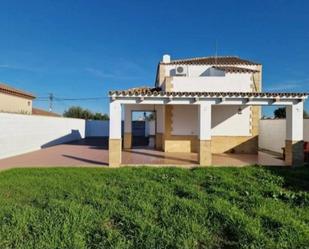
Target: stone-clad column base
x,y
294,153
127,140
204,155
114,152
159,141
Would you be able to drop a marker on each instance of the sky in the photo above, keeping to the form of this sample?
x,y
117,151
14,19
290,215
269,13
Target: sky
x,y
84,48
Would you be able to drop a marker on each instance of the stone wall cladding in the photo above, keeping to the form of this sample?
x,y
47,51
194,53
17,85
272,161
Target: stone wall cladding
x,y
204,154
294,153
114,152
127,140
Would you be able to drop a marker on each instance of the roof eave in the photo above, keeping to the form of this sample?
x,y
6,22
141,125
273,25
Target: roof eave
x,y
161,94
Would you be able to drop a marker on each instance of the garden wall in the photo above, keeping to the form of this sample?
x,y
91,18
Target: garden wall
x,y
272,134
24,133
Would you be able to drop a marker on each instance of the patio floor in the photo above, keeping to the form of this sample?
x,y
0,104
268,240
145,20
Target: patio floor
x,y
93,152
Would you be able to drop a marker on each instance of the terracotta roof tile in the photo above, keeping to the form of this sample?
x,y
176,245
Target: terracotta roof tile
x,y
140,90
40,112
16,92
212,60
158,92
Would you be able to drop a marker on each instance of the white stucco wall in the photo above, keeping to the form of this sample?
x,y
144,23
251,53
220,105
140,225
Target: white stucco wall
x,y
225,121
150,128
198,70
273,134
25,133
205,78
229,83
185,120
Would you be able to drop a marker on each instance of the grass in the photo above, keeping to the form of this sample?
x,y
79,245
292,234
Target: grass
x,y
75,208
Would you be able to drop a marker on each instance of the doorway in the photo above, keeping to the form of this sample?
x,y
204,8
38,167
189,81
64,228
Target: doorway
x,y
143,129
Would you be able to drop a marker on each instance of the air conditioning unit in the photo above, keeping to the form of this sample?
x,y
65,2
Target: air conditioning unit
x,y
181,71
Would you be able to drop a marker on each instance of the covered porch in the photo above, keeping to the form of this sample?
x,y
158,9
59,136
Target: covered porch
x,y
146,156
93,152
160,102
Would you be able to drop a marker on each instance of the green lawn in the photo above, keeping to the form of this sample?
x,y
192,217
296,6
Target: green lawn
x,y
75,208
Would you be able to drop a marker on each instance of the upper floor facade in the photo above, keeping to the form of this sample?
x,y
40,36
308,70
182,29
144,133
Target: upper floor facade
x,y
13,100
209,74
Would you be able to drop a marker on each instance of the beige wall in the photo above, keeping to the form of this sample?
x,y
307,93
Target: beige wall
x,y
227,141
14,104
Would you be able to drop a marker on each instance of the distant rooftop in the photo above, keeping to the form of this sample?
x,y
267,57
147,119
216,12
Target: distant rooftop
x,y
41,112
211,60
16,92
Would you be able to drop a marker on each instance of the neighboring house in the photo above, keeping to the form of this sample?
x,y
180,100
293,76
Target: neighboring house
x,y
205,105
14,100
40,112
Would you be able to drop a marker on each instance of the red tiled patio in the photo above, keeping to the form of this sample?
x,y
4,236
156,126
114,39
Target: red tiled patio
x,y
94,153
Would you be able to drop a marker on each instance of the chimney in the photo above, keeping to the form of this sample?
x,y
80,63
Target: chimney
x,y
166,58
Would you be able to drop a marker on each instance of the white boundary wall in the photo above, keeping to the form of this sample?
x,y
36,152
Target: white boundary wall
x,y
273,132
24,133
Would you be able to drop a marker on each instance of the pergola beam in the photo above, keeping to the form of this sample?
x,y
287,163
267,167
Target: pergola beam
x,y
216,101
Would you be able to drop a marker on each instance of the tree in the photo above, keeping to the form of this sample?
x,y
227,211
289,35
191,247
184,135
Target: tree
x,y
87,114
100,116
79,112
150,117
280,113
74,112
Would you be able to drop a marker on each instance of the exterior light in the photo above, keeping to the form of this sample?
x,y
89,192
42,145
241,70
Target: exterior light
x,y
239,110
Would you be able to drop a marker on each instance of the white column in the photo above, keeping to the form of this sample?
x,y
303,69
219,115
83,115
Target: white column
x,y
114,149
204,115
294,121
114,120
294,151
204,122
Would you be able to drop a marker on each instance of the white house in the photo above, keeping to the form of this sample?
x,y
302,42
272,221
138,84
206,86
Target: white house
x,y
205,105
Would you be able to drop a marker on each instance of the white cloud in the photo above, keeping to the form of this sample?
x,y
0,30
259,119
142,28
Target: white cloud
x,y
4,66
101,74
12,67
